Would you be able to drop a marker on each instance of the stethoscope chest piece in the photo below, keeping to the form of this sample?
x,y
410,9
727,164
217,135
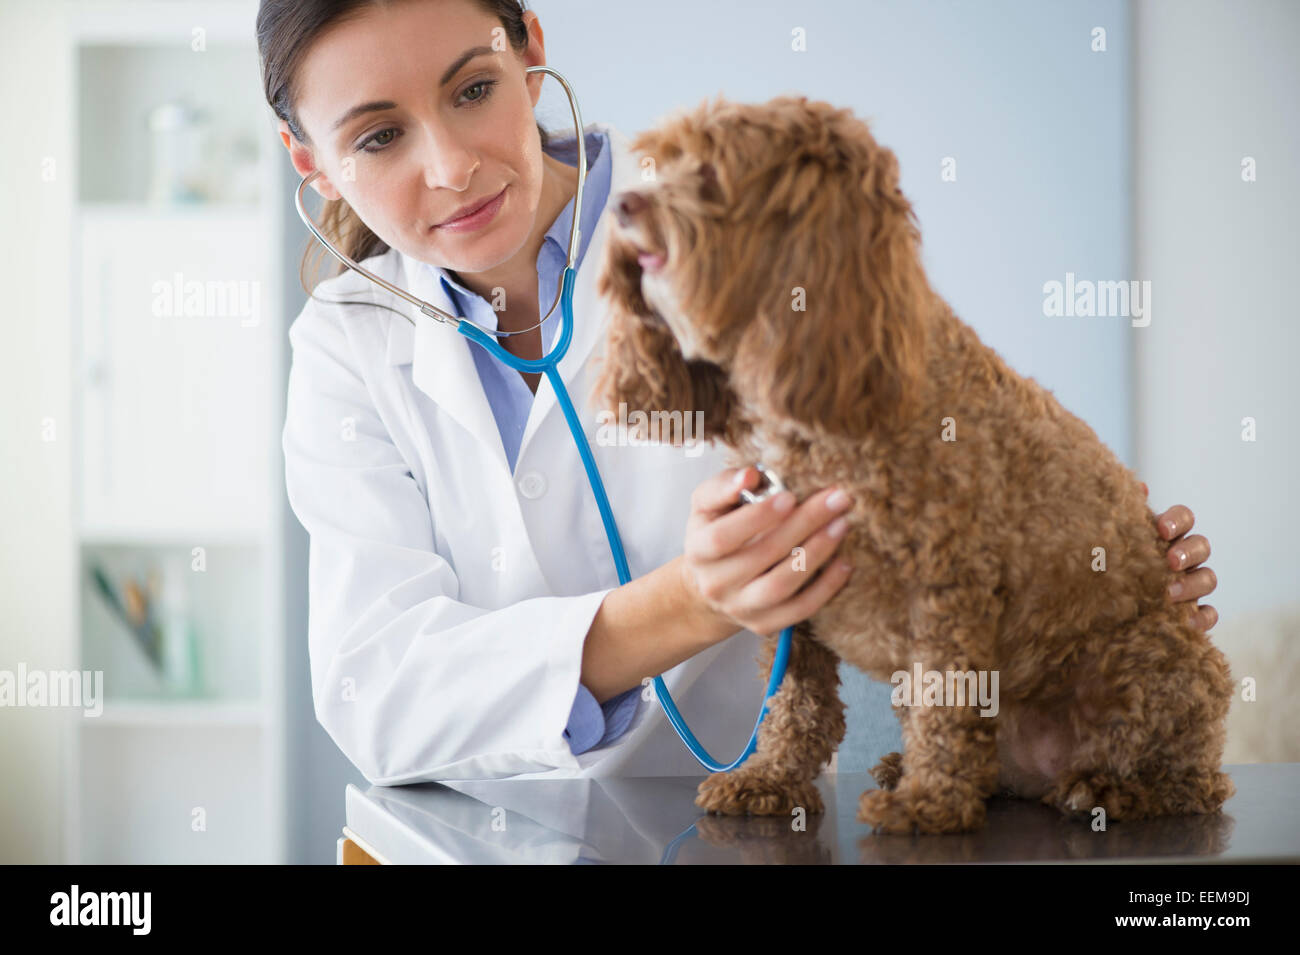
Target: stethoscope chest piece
x,y
774,486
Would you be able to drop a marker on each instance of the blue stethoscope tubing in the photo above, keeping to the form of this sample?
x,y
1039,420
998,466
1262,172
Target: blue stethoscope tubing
x,y
548,365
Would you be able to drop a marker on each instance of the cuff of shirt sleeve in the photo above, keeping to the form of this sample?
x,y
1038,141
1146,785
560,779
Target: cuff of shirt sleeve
x,y
568,636
586,722
618,713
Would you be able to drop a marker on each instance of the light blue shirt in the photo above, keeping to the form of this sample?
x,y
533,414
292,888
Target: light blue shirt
x,y
590,723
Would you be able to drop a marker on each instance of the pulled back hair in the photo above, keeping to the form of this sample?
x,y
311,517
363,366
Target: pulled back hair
x,y
286,30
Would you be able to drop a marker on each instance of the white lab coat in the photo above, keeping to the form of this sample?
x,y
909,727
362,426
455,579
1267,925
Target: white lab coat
x,y
450,599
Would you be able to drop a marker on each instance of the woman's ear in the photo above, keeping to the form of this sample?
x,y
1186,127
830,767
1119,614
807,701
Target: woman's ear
x,y
838,341
305,164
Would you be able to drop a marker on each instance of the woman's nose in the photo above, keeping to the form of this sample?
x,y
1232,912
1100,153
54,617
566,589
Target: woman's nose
x,y
447,167
438,175
628,205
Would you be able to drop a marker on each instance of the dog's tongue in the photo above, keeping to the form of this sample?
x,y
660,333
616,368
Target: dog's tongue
x,y
651,261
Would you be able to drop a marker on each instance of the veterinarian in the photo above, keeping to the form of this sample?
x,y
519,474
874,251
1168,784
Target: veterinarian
x,y
465,617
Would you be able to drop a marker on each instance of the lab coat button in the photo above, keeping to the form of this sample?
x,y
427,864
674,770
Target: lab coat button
x,y
532,485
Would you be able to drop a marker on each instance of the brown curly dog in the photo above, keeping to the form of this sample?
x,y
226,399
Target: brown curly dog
x,y
769,275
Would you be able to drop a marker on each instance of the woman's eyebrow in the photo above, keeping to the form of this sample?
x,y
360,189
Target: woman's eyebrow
x,y
382,104
462,60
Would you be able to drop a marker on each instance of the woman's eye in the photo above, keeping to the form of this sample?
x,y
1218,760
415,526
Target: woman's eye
x,y
379,138
485,86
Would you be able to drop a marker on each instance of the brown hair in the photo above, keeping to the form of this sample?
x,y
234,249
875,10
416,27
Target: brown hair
x,y
285,31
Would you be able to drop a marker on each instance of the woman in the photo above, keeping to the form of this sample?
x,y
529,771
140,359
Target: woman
x,y
465,617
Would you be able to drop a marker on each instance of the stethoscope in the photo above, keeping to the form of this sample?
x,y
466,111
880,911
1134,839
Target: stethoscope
x,y
548,366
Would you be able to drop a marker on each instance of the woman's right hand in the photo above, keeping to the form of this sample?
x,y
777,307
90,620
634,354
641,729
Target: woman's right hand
x,y
738,560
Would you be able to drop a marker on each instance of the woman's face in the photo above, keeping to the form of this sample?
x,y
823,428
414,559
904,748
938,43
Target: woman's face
x,y
409,131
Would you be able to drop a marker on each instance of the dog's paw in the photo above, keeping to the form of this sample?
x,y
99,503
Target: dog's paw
x,y
885,810
888,771
1077,797
900,811
738,793
1075,794
1132,798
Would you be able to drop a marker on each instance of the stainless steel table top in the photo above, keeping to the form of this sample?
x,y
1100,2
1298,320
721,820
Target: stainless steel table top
x,y
653,820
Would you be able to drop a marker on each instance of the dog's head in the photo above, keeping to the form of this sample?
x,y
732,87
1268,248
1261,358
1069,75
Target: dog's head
x,y
771,244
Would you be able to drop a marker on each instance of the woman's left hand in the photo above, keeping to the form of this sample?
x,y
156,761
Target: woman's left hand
x,y
1187,554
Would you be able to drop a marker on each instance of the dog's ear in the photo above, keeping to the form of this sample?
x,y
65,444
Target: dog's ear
x,y
643,367
837,343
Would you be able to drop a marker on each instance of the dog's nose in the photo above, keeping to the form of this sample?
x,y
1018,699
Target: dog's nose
x,y
628,205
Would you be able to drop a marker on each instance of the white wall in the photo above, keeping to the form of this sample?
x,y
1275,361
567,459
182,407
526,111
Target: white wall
x,y
37,569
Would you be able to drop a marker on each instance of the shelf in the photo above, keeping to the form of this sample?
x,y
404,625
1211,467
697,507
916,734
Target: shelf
x,y
220,605
189,713
163,120
141,209
138,537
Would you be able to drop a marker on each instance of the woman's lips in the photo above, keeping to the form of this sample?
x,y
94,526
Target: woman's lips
x,y
478,219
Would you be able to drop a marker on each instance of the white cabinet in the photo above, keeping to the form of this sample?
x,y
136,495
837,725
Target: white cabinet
x,y
176,331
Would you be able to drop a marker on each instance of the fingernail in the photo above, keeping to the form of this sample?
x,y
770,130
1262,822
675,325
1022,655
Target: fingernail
x,y
1168,526
837,527
838,500
784,502
1181,557
740,477
1175,590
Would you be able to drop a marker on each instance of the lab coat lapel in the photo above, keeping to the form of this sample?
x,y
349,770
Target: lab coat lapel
x,y
441,364
588,311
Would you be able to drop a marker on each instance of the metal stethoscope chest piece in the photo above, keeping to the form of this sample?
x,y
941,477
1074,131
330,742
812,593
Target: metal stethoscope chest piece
x,y
774,486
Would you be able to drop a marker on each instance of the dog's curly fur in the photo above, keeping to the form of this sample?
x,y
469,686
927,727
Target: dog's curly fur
x,y
793,310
